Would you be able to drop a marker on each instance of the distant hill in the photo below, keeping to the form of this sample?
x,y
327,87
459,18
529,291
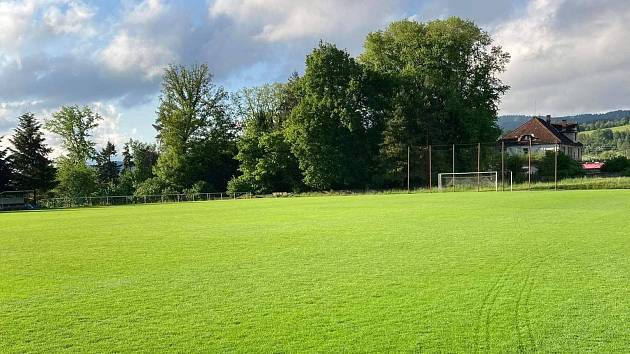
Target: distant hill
x,y
509,122
621,128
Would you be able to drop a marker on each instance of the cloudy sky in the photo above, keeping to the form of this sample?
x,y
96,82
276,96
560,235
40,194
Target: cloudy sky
x,y
568,56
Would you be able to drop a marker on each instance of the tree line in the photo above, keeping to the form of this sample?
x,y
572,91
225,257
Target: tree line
x,y
606,143
345,123
602,124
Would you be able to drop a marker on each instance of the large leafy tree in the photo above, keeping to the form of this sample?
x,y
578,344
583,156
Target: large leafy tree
x,y
75,179
444,85
195,131
266,161
329,128
74,125
33,170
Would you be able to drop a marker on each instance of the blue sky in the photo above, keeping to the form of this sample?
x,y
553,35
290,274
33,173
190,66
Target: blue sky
x,y
569,56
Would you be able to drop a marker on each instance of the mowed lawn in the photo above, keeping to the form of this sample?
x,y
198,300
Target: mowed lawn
x,y
453,272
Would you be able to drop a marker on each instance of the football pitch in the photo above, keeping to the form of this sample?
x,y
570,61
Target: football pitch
x,y
452,272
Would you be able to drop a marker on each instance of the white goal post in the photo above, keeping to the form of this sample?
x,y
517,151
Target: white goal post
x,y
471,181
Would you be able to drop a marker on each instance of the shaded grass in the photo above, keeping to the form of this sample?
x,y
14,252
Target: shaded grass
x,y
455,272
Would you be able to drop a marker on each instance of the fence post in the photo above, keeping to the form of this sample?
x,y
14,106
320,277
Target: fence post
x,y
430,172
478,166
453,179
408,168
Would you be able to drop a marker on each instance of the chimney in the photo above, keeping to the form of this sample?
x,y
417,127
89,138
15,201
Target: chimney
x,y
548,118
564,125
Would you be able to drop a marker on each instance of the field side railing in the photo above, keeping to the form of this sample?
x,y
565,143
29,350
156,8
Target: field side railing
x,y
73,202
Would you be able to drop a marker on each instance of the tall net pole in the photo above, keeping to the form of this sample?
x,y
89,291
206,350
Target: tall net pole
x,y
453,167
478,166
430,172
555,168
503,165
408,168
529,165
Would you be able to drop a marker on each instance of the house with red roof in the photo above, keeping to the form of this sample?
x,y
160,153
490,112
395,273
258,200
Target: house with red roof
x,y
542,135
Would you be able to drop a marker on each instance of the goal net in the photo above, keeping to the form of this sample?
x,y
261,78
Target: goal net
x,y
468,181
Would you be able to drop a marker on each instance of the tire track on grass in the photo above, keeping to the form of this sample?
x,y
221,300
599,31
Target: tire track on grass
x,y
484,316
524,294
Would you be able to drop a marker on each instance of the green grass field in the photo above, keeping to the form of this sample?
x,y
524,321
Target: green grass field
x,y
452,272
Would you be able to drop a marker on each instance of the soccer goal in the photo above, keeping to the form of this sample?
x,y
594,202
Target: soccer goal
x,y
463,181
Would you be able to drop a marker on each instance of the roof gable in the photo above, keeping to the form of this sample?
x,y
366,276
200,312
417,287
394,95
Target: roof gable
x,y
542,132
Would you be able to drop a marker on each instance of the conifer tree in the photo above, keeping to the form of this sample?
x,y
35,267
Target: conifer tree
x,y
29,156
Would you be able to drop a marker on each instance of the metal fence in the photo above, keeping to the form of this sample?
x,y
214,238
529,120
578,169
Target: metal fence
x,y
74,202
523,164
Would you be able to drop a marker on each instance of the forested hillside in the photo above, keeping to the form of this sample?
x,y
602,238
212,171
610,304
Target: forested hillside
x,y
509,122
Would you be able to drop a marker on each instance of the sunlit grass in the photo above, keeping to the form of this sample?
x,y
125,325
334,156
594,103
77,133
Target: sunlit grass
x,y
449,272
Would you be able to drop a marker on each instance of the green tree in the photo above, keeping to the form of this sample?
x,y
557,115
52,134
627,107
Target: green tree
x,y
266,161
127,158
5,170
192,124
74,125
567,167
144,158
107,169
443,85
328,129
616,164
33,170
75,179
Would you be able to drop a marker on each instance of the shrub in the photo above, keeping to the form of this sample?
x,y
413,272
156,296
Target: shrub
x,y
240,184
151,186
567,167
616,165
197,187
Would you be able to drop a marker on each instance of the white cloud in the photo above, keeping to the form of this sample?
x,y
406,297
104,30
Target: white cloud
x,y
568,57
280,20
128,53
74,20
145,12
143,40
15,19
36,23
108,128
